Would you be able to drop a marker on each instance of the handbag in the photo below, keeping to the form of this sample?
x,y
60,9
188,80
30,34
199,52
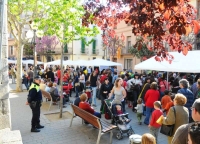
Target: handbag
x,y
168,129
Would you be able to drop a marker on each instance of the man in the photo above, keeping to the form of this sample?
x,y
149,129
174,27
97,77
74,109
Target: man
x,y
30,76
181,134
93,81
50,75
34,101
58,75
184,85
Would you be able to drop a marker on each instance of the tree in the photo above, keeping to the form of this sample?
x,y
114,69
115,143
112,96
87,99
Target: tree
x,y
140,50
62,16
46,44
20,12
115,45
164,21
28,50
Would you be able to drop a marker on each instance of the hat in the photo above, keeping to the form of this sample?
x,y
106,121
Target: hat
x,y
37,77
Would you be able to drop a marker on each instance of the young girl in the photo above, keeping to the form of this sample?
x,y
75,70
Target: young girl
x,y
194,134
139,109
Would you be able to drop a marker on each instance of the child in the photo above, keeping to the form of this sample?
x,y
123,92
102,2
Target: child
x,y
139,109
147,138
169,105
194,134
165,99
70,87
121,114
153,126
88,91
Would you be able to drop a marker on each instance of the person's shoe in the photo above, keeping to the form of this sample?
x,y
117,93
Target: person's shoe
x,y
35,130
140,123
39,126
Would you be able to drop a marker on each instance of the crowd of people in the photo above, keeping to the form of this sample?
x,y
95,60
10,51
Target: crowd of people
x,y
149,95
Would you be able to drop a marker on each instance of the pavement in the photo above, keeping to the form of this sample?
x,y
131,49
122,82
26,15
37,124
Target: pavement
x,y
59,132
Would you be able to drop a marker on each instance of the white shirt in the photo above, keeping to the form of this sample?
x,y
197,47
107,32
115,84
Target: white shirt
x,y
139,108
82,78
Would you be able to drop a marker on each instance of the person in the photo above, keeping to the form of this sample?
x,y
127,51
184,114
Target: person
x,y
58,75
153,126
34,100
88,91
82,79
184,85
93,81
30,76
13,74
197,92
165,99
104,92
180,137
163,85
114,78
119,93
120,113
151,96
148,138
85,105
194,134
169,105
25,80
42,85
76,84
50,74
177,115
139,109
48,84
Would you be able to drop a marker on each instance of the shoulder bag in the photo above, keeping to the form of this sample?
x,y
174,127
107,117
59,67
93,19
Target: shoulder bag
x,y
168,129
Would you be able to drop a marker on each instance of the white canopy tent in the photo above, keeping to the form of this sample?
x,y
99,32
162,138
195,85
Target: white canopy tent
x,y
102,62
31,62
181,63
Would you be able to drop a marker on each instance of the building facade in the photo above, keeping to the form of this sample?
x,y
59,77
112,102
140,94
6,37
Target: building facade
x,y
126,58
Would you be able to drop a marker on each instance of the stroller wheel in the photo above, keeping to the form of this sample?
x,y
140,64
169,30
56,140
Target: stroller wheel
x,y
130,132
119,135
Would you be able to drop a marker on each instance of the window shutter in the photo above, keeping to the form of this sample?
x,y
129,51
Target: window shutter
x,y
94,46
82,45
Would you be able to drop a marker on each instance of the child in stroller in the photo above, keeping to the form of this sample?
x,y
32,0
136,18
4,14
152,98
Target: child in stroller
x,y
118,113
120,119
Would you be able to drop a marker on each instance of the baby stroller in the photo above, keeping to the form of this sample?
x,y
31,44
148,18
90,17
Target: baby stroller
x,y
119,120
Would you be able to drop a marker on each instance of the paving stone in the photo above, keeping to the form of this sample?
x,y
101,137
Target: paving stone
x,y
59,131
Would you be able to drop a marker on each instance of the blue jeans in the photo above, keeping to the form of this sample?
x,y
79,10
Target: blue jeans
x,y
148,114
94,90
97,114
76,90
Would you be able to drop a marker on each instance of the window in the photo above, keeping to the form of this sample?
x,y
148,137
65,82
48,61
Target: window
x,y
50,58
128,64
66,48
94,58
128,41
11,50
94,46
65,58
83,45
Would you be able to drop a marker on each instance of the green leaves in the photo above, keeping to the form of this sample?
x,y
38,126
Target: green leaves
x,y
64,19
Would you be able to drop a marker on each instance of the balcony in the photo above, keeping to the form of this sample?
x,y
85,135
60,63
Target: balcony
x,y
84,51
68,51
124,51
95,52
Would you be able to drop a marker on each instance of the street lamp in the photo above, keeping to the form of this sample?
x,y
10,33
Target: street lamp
x,y
32,35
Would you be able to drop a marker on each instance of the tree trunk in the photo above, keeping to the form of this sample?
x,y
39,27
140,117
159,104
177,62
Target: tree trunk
x,y
19,62
61,81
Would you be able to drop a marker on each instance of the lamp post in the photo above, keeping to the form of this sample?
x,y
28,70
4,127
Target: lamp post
x,y
32,35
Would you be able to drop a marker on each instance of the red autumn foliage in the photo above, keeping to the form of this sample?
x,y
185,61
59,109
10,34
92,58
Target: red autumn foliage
x,y
159,21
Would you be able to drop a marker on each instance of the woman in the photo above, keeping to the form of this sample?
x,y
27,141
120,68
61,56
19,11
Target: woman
x,y
151,96
76,83
148,138
136,91
54,92
178,117
104,91
145,88
82,80
85,105
197,93
119,93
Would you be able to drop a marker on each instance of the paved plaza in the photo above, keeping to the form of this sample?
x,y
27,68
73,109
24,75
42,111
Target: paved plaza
x,y
59,132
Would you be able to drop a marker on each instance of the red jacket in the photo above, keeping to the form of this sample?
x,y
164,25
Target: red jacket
x,y
58,74
154,117
150,97
85,106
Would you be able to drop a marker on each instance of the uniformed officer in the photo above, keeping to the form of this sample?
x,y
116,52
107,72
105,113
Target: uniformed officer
x,y
34,100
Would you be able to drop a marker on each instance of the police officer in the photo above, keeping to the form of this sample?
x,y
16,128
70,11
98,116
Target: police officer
x,y
34,100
